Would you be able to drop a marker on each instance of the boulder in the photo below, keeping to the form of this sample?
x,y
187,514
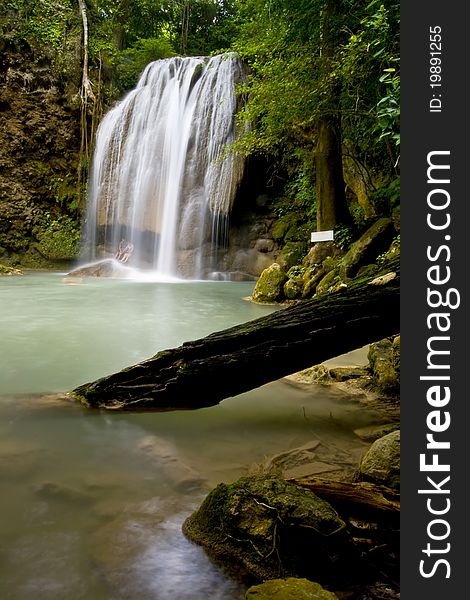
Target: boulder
x,y
293,287
250,261
103,268
289,589
320,252
384,362
263,526
291,254
264,245
269,286
381,463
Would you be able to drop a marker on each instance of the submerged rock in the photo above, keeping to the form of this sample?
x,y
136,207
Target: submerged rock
x,y
18,458
52,491
263,527
297,463
164,455
370,433
289,589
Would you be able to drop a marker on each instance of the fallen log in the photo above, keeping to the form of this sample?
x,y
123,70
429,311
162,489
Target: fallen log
x,y
203,372
359,497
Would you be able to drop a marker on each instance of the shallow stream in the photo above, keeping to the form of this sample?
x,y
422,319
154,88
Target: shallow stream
x,y
92,503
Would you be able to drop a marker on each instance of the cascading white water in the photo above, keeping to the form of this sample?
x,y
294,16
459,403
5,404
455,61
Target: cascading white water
x,y
159,178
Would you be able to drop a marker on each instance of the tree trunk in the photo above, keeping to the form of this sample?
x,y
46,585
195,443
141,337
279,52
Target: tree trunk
x,y
331,198
122,19
185,15
86,94
86,90
203,372
332,208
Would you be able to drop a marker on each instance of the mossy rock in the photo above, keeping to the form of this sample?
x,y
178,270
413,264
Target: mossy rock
x,y
280,229
291,254
368,247
393,250
312,278
298,232
367,271
295,282
381,463
328,282
330,263
4,270
289,589
263,526
396,346
269,287
384,358
293,288
320,252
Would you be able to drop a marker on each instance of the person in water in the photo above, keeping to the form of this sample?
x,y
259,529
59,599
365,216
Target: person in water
x,y
124,252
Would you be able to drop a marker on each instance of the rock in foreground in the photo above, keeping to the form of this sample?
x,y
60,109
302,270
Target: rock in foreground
x,y
381,463
289,589
262,527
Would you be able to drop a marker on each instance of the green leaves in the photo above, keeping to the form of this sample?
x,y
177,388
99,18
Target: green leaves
x,y
131,62
43,21
388,107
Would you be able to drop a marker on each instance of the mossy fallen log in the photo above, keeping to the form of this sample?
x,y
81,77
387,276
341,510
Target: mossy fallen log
x,y
203,372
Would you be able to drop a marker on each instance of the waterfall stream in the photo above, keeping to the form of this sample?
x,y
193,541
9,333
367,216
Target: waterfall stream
x,y
160,179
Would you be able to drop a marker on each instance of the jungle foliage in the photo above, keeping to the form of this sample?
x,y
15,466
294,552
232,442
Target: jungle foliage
x,y
316,69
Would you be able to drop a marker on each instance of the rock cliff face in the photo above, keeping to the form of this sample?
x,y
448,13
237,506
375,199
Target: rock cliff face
x,y
39,143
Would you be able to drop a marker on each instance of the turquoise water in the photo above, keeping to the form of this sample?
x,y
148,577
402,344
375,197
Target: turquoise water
x,y
92,503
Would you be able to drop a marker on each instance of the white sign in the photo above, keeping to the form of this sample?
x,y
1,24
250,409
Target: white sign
x,y
322,236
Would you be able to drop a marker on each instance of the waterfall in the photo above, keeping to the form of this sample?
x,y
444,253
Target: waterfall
x,y
160,178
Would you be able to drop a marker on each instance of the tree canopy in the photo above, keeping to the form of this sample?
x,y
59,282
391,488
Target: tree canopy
x,y
323,75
